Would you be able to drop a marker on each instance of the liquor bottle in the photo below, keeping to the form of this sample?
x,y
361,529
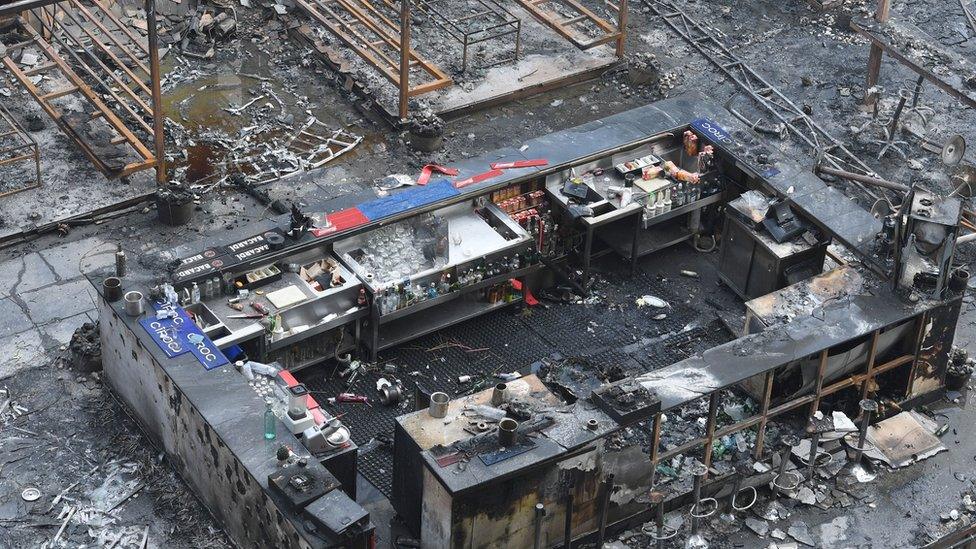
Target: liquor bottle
x,y
432,291
195,294
395,298
445,284
270,422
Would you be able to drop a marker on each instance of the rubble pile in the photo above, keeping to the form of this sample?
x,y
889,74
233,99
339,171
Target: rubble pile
x,y
86,349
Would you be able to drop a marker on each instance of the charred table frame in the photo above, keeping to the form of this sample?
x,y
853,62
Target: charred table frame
x,y
53,63
383,44
490,10
569,28
24,149
918,354
781,107
880,35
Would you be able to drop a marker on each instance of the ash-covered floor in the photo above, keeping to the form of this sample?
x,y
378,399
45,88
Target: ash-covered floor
x,y
575,344
62,432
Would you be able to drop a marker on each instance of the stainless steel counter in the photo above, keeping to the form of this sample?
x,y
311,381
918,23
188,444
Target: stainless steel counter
x,y
318,312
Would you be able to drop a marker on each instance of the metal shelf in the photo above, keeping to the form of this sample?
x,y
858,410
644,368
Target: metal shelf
x,y
454,313
349,345
620,237
406,311
341,320
685,208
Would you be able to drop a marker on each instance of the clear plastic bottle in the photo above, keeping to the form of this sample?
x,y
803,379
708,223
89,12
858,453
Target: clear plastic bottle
x,y
195,294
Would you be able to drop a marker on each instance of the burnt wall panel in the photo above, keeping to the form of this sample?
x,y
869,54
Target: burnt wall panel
x,y
933,356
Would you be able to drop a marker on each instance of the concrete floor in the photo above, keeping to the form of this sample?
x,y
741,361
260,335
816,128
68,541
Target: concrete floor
x,y
42,298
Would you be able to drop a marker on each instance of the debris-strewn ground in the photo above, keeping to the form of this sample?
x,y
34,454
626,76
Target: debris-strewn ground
x,y
96,480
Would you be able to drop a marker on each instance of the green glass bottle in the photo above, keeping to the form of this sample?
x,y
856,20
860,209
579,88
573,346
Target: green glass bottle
x,y
270,422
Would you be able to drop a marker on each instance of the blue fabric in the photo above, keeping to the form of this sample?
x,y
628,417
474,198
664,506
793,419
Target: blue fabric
x,y
407,199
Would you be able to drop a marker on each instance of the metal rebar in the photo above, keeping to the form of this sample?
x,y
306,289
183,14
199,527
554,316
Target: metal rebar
x,y
865,179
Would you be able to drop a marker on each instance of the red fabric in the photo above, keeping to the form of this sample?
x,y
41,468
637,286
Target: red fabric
x,y
519,164
530,299
477,179
342,220
318,416
429,169
289,379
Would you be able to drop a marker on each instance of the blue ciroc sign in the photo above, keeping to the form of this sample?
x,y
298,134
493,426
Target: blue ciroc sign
x,y
712,131
179,334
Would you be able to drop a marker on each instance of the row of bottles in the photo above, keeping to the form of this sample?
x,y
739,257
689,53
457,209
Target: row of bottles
x,y
522,202
500,293
195,293
407,293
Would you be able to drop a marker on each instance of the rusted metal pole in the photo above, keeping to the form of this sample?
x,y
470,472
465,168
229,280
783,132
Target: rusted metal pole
x,y
866,179
159,135
788,441
710,430
540,513
882,15
621,28
604,509
657,499
655,443
868,407
869,369
764,414
17,6
699,472
814,449
818,388
404,58
736,486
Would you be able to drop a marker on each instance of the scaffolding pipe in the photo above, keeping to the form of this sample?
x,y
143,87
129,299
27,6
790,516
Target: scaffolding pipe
x,y
159,136
17,6
404,58
621,28
865,179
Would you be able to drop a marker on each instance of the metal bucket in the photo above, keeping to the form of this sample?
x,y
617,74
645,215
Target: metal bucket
x,y
133,303
438,404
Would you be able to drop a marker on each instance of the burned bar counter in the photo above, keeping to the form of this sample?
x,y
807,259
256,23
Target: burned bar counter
x,y
223,358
